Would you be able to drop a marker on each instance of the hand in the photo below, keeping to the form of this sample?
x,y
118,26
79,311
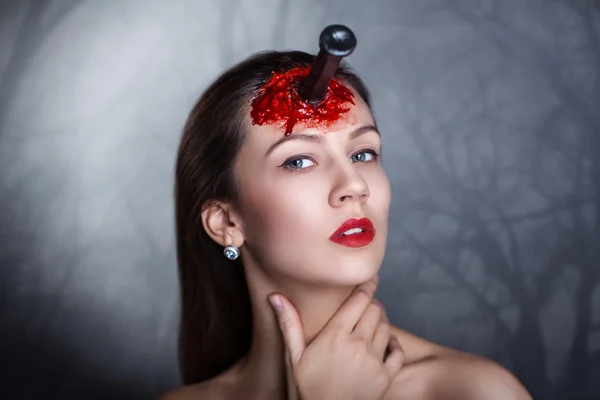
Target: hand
x,y
346,359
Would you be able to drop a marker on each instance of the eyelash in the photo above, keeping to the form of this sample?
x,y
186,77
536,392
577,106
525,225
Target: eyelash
x,y
285,165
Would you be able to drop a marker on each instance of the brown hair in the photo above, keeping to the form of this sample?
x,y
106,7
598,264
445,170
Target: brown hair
x,y
216,317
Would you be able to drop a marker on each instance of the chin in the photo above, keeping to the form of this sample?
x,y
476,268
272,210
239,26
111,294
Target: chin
x,y
355,271
335,266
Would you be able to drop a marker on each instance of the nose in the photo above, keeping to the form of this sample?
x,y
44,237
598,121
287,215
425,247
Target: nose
x,y
349,186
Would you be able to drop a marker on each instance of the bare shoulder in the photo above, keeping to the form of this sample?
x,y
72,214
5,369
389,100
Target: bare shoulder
x,y
432,371
415,347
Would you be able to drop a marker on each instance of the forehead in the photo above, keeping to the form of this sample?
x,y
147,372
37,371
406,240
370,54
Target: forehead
x,y
264,135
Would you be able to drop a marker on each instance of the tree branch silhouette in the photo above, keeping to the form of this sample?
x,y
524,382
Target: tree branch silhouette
x,y
451,268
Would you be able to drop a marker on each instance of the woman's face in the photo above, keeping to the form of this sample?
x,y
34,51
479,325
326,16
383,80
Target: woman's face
x,y
296,193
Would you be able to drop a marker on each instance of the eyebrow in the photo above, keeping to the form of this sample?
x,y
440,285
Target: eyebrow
x,y
319,138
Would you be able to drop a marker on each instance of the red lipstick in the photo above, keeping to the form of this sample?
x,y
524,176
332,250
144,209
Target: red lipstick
x,y
354,238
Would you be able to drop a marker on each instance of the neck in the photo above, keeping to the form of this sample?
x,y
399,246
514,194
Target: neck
x,y
263,371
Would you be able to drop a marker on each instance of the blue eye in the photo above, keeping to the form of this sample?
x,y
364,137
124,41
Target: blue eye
x,y
298,163
303,162
363,156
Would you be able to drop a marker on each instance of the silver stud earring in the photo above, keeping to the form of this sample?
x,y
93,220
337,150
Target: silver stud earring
x,y
231,252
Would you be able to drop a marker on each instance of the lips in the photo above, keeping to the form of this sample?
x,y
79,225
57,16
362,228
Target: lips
x,y
360,239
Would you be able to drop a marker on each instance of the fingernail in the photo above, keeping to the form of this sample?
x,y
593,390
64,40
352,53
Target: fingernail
x,y
276,302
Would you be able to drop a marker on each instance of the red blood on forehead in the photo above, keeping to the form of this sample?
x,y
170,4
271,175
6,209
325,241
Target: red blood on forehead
x,y
280,103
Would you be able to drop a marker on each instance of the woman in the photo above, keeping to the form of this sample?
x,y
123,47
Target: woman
x,y
279,204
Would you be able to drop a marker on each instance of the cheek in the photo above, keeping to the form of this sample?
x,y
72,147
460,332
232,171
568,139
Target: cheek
x,y
280,228
283,214
380,193
380,204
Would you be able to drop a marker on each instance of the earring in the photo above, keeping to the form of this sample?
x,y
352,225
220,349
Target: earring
x,y
231,252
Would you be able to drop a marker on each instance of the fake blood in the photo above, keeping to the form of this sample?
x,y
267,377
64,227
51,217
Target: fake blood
x,y
280,103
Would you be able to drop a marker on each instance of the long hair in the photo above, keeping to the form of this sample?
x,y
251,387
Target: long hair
x,y
216,316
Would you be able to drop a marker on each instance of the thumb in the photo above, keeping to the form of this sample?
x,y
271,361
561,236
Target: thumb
x,y
292,386
290,326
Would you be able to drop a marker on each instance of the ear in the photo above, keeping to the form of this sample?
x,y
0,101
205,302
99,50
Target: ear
x,y
223,224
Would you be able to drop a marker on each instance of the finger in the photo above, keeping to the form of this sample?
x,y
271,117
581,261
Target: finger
x,y
381,338
355,305
368,322
290,327
384,317
395,360
292,387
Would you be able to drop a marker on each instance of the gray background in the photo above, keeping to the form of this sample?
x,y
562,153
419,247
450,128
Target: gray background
x,y
491,124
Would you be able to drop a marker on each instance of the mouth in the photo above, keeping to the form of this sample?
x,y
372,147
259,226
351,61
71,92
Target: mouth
x,y
354,233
